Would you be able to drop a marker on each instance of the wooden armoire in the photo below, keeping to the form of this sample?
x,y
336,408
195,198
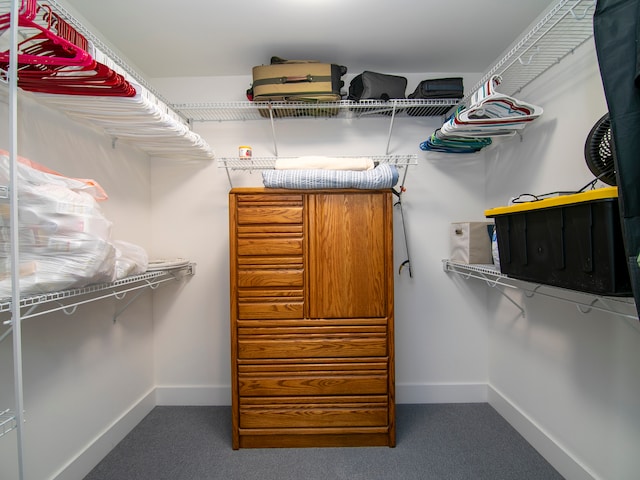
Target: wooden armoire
x,y
312,349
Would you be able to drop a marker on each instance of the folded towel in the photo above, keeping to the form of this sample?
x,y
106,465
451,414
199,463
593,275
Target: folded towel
x,y
315,162
383,176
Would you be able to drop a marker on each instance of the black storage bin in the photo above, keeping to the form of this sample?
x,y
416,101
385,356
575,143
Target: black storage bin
x,y
571,241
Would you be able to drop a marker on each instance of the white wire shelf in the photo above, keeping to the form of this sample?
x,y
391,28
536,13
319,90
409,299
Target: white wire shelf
x,y
268,163
585,302
67,300
138,115
246,110
557,33
7,422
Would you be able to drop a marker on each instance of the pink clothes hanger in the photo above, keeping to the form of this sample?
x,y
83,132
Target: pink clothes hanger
x,y
54,58
27,9
46,47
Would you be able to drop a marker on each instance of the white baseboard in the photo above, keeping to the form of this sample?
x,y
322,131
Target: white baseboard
x,y
193,395
568,466
86,460
441,393
551,450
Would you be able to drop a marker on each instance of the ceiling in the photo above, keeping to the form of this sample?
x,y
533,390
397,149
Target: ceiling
x,y
222,38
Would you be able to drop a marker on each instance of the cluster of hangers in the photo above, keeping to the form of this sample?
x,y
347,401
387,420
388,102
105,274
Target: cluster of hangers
x,y
53,57
70,73
490,115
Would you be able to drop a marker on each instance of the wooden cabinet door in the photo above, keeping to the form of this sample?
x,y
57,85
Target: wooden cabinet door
x,y
350,254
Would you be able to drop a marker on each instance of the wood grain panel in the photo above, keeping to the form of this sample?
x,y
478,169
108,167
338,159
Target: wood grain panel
x,y
295,347
271,308
268,198
270,278
348,276
305,416
269,246
315,437
312,383
269,214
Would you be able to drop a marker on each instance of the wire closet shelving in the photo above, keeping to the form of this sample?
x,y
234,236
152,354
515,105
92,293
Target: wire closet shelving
x,y
139,115
565,26
144,120
68,300
584,302
558,32
561,29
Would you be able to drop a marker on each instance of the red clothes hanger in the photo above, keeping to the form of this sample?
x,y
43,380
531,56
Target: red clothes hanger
x,y
54,58
43,46
27,9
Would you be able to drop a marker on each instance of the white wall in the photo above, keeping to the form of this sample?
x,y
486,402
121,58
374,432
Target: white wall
x,y
565,379
573,375
441,342
82,372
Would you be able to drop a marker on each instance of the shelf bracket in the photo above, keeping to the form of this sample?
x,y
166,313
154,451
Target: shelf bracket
x,y
135,297
516,304
226,168
393,116
273,131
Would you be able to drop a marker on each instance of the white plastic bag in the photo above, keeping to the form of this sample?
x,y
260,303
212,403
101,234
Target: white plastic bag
x,y
130,259
64,239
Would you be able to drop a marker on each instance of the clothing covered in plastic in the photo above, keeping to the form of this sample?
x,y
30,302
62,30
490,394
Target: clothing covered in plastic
x,y
64,239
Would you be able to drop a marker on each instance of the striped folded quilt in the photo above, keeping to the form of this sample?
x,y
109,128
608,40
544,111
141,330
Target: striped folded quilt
x,y
383,176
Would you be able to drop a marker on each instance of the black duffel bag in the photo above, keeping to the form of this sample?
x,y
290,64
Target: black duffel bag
x,y
446,88
377,86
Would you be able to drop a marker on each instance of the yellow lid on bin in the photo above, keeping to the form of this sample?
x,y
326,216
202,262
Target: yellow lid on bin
x,y
561,200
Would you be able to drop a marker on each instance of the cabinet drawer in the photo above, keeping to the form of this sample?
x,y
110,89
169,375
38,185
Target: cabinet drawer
x,y
269,246
304,380
315,414
269,214
270,277
275,308
250,346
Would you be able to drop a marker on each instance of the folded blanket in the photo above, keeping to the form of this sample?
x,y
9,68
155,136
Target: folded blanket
x,y
383,176
314,162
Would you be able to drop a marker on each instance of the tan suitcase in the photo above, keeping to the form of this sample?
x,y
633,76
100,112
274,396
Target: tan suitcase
x,y
298,81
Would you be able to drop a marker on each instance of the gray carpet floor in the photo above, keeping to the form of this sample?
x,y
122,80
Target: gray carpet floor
x,y
439,442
